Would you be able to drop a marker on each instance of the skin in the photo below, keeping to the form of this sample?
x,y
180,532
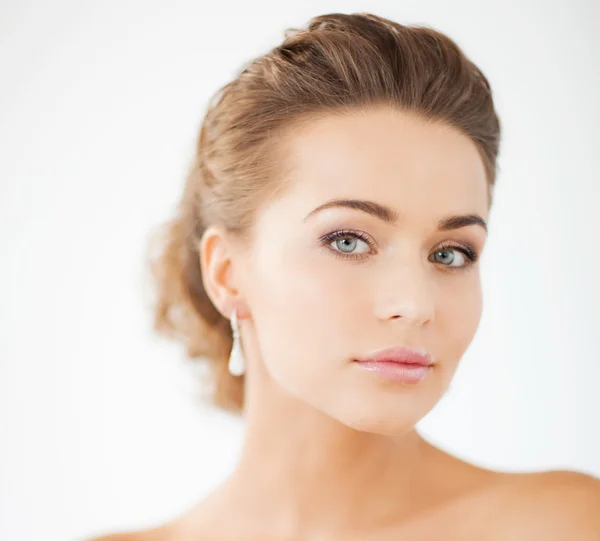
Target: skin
x,y
331,450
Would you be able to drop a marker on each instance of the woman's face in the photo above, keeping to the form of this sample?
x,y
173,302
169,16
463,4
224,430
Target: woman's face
x,y
318,302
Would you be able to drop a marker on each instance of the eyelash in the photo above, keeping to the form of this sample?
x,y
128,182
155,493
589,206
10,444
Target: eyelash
x,y
326,241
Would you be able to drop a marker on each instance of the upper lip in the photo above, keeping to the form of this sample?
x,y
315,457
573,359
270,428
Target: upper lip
x,y
403,355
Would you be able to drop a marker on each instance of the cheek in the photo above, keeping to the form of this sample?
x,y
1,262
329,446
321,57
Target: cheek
x,y
458,317
302,307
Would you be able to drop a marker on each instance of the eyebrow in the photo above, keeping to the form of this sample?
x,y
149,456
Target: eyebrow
x,y
390,216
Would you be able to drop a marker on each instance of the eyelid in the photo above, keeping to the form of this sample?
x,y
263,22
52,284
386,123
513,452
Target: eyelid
x,y
466,248
341,233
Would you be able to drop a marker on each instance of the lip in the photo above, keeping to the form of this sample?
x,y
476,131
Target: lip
x,y
402,355
399,364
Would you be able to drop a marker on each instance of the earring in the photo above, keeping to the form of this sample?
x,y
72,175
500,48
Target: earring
x,y
236,358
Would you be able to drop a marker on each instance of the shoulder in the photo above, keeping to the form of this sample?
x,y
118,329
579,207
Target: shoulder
x,y
557,504
154,534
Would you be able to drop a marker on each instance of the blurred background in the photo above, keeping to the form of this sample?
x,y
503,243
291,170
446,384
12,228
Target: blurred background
x,y
100,104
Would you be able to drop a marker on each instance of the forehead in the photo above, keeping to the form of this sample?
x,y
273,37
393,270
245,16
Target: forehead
x,y
392,156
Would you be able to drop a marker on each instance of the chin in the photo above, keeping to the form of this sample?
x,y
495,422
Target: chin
x,y
385,424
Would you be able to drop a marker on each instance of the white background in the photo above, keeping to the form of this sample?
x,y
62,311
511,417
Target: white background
x,y
100,103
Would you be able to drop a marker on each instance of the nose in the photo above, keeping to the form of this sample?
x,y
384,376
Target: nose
x,y
406,293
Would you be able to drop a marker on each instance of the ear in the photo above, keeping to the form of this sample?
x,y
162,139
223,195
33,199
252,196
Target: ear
x,y
216,264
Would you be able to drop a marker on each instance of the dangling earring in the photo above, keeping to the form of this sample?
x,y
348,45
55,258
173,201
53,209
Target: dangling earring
x,y
236,358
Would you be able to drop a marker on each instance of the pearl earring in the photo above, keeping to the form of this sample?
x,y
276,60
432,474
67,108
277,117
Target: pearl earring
x,y
236,358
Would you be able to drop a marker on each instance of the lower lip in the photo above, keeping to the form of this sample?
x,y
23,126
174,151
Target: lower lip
x,y
408,373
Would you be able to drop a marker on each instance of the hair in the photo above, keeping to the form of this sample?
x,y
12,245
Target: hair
x,y
338,63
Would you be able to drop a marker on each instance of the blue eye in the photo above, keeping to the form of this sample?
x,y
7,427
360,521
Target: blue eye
x,y
450,260
348,244
465,253
344,243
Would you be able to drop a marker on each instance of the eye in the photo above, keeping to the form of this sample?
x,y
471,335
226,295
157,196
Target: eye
x,y
455,256
348,242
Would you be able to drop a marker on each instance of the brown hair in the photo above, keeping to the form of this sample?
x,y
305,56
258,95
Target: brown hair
x,y
338,63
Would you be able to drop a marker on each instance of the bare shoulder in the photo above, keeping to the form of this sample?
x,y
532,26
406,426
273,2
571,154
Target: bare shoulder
x,y
556,504
162,533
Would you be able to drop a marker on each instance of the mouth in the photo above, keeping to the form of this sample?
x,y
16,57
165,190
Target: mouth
x,y
401,355
399,364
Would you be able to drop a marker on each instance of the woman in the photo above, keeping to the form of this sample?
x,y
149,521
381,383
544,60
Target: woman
x,y
335,216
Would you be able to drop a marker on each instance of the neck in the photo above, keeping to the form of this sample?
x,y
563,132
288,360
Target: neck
x,y
303,473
